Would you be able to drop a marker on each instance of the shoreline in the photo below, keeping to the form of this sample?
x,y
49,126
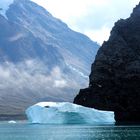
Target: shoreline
x,y
4,117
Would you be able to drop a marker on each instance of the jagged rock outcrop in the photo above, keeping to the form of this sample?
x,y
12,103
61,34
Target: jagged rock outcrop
x,y
115,75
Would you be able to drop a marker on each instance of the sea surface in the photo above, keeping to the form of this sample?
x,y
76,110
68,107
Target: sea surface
x,y
25,131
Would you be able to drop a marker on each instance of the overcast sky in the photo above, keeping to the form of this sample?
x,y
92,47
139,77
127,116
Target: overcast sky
x,y
94,18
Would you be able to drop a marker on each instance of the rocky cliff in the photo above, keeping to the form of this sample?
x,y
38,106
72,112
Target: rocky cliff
x,y
115,74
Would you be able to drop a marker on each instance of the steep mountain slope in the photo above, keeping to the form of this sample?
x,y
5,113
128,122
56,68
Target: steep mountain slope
x,y
41,58
49,30
115,76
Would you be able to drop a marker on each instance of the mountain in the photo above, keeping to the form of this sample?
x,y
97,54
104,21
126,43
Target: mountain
x,y
115,76
41,58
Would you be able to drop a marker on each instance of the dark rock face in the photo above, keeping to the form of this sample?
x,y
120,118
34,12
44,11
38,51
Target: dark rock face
x,y
115,75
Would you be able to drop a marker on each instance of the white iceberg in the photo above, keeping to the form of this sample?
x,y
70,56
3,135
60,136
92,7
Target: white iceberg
x,y
66,113
12,121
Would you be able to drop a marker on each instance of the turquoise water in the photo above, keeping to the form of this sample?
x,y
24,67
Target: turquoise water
x,y
24,131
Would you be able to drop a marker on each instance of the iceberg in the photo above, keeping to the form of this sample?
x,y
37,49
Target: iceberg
x,y
66,113
12,122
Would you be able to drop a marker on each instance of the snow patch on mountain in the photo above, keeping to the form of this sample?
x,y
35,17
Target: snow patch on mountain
x,y
77,71
16,37
4,5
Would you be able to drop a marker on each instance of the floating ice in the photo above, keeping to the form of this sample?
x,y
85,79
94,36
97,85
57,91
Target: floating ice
x,y
66,113
12,121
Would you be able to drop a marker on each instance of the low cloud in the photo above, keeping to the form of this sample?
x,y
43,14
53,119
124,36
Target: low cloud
x,y
99,34
60,83
31,81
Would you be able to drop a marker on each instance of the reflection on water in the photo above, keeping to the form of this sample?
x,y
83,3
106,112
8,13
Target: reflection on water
x,y
23,131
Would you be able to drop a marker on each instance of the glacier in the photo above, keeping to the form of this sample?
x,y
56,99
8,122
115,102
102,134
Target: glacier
x,y
66,113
